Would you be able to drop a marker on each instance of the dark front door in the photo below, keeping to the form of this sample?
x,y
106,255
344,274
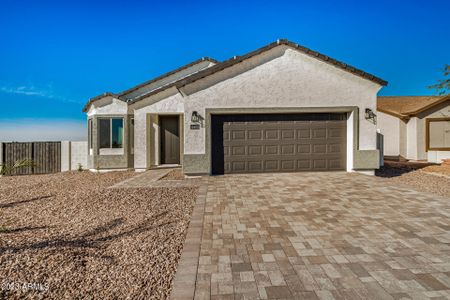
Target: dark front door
x,y
278,143
170,139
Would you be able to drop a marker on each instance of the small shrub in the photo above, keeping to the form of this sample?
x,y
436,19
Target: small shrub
x,y
80,168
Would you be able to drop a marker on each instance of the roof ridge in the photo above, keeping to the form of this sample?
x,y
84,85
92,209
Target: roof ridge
x,y
236,59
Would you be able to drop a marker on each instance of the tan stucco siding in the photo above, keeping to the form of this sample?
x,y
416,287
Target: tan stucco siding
x,y
146,134
440,111
108,106
279,78
390,129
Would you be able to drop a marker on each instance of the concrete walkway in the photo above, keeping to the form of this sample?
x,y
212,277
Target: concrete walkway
x,y
151,179
314,236
145,179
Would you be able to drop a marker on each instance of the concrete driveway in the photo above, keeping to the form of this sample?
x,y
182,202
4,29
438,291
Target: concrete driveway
x,y
315,236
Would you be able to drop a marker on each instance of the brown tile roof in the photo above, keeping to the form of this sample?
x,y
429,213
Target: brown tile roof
x,y
405,107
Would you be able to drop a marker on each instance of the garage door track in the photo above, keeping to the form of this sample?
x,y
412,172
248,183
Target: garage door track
x,y
315,236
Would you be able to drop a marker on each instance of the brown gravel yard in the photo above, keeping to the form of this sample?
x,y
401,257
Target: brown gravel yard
x,y
176,174
422,177
70,237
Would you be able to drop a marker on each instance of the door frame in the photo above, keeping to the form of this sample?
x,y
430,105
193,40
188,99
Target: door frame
x,y
153,155
179,118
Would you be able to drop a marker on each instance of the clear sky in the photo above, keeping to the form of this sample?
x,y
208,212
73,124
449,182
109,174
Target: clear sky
x,y
55,55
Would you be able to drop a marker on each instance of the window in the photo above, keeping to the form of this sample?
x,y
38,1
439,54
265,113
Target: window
x,y
110,132
90,133
438,134
132,135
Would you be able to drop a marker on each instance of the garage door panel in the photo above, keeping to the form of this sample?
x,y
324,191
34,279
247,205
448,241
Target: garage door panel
x,y
287,149
303,148
255,134
255,149
272,134
288,165
304,164
288,134
319,148
255,166
271,165
238,150
279,143
320,164
271,149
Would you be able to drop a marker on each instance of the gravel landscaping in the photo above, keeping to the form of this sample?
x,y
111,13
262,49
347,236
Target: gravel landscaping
x,y
422,177
176,174
67,236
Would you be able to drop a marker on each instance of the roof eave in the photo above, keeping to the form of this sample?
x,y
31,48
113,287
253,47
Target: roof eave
x,y
96,98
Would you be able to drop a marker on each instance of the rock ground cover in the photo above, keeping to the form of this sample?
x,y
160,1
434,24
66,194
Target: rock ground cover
x,y
429,178
68,236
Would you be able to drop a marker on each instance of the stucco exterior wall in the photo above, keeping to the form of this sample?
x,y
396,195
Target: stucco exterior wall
x,y
281,77
109,159
390,129
411,136
146,128
108,106
411,139
440,111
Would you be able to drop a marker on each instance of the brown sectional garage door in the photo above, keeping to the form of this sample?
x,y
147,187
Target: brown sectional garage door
x,y
278,143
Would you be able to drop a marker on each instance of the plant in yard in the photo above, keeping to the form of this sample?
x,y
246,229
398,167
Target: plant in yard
x,y
442,87
24,163
80,168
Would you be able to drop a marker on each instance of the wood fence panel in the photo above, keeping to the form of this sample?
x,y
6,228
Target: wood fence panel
x,y
46,156
14,152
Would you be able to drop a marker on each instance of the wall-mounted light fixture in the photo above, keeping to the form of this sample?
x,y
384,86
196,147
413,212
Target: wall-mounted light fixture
x,y
195,118
370,116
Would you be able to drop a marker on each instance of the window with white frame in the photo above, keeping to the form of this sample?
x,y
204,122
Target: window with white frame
x,y
110,133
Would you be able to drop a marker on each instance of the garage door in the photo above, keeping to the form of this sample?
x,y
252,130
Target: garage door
x,y
278,143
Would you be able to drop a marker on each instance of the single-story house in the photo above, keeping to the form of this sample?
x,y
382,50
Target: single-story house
x,y
415,127
280,108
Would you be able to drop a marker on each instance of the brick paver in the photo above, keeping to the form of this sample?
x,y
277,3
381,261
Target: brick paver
x,y
319,236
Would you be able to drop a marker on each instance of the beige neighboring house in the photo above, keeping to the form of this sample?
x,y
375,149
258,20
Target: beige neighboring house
x,y
415,127
280,108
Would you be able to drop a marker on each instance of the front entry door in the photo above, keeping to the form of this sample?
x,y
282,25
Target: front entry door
x,y
170,139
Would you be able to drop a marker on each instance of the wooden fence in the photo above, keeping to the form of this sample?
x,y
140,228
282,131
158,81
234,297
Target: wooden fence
x,y
45,155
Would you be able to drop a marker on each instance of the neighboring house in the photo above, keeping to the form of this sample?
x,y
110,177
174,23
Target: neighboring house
x,y
415,127
281,108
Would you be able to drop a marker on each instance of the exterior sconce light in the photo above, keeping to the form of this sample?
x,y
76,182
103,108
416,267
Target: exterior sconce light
x,y
195,117
370,116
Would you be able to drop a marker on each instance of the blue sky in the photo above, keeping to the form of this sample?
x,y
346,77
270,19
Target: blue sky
x,y
54,55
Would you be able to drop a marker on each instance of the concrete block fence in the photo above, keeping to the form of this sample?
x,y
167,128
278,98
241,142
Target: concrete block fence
x,y
73,154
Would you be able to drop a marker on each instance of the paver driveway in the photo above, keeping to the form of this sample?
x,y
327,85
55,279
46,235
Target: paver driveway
x,y
315,235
